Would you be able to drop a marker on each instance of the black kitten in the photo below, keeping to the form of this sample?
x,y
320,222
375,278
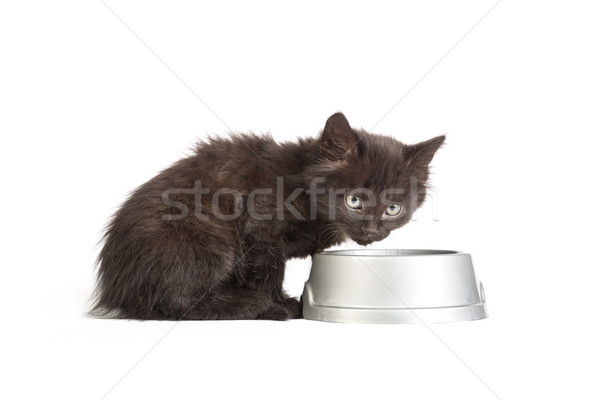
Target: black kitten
x,y
208,237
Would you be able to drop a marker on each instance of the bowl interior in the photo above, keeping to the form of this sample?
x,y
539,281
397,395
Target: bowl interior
x,y
388,252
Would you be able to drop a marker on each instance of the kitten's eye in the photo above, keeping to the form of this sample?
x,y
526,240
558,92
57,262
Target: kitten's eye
x,y
394,210
353,202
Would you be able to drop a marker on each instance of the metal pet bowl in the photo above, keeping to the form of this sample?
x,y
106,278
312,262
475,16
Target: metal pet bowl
x,y
393,286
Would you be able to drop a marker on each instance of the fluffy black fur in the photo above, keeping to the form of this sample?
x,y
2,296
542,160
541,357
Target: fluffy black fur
x,y
171,252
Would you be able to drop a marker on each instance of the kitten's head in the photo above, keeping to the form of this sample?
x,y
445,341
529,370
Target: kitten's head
x,y
375,183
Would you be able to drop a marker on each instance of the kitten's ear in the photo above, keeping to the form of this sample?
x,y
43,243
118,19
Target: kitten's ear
x,y
337,138
420,155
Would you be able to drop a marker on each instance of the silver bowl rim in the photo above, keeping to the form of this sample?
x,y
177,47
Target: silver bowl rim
x,y
390,253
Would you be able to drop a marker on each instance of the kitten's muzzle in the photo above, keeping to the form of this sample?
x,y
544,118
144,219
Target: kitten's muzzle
x,y
370,231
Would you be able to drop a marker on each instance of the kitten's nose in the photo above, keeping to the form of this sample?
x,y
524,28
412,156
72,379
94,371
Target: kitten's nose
x,y
370,230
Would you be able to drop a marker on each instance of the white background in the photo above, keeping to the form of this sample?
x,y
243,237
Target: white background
x,y
88,112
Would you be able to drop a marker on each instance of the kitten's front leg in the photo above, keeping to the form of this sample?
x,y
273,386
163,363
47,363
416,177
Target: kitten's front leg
x,y
265,270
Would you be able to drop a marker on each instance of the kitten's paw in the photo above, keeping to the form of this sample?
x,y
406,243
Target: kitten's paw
x,y
294,306
277,312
